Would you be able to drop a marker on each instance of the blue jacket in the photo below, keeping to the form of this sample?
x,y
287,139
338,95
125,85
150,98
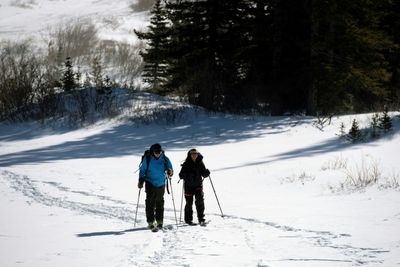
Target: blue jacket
x,y
156,171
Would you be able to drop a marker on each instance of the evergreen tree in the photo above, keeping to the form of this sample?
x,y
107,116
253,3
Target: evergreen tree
x,y
385,122
69,76
87,83
291,55
255,50
390,23
206,40
354,134
97,73
342,130
192,60
322,57
156,54
348,47
375,126
109,84
78,77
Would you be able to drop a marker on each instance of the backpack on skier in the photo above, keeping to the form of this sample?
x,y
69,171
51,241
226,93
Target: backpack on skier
x,y
147,153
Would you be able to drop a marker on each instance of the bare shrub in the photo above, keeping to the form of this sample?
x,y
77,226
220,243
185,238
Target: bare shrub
x,y
78,39
106,102
142,5
164,116
322,121
31,85
368,174
362,176
337,163
302,177
106,50
112,22
48,106
143,114
75,39
21,79
392,181
121,61
82,99
128,62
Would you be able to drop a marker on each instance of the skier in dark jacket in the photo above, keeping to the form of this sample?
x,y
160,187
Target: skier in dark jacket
x,y
192,172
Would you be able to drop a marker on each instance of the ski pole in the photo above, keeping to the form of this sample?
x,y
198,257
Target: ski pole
x,y
222,214
180,212
137,206
173,200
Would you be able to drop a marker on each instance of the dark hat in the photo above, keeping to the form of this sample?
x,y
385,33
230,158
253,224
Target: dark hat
x,y
155,148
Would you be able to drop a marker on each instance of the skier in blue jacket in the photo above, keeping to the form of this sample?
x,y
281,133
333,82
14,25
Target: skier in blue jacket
x,y
153,171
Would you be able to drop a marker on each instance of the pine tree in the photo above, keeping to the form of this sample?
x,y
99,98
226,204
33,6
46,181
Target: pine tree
x,y
78,77
316,56
342,131
207,60
255,50
108,84
193,65
348,55
69,76
385,122
155,56
97,73
87,83
291,26
390,23
354,134
375,126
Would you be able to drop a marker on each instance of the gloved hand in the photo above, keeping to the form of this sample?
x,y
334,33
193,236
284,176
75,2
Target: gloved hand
x,y
207,173
140,184
170,172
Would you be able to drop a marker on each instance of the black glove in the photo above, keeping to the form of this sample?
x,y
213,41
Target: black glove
x,y
207,173
140,184
170,172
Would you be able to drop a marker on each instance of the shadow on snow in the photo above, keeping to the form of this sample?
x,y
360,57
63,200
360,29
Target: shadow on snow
x,y
131,139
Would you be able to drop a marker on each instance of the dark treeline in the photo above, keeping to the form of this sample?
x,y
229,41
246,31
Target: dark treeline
x,y
276,56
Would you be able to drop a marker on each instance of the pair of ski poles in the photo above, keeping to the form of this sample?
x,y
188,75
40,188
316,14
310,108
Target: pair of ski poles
x,y
173,201
215,193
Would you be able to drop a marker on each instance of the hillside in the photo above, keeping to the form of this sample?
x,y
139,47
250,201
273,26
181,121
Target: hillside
x,y
115,20
68,197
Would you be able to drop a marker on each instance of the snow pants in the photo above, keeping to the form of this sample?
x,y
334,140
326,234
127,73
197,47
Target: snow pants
x,y
198,194
154,203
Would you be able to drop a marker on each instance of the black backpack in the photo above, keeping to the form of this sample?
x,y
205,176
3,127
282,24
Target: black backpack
x,y
147,154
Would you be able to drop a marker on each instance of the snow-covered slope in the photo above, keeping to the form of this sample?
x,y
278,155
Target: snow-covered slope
x,y
20,19
68,197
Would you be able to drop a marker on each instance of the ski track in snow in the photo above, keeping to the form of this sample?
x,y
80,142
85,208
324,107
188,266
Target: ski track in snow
x,y
187,243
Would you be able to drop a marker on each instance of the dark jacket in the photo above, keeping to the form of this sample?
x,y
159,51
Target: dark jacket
x,y
193,172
